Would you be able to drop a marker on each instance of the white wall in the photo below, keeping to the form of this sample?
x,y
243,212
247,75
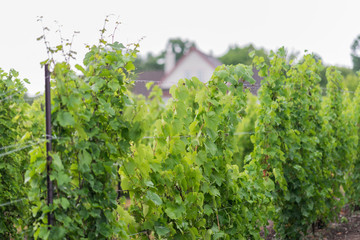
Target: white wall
x,y
193,66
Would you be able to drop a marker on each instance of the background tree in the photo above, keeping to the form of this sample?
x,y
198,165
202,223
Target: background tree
x,y
180,47
156,62
355,53
236,55
149,63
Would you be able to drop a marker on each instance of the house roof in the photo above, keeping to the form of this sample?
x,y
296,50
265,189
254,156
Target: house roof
x,y
143,78
151,75
254,87
214,62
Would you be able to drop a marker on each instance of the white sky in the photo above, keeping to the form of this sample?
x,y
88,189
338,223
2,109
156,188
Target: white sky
x,y
326,27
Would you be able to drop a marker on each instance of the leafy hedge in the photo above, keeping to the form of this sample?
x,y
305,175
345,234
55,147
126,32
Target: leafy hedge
x,y
90,138
13,161
185,185
308,155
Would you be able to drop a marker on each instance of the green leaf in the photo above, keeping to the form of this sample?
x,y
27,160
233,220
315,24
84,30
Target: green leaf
x,y
222,87
44,233
200,158
107,106
65,203
161,230
219,235
154,198
175,211
149,85
65,119
104,229
210,147
149,183
57,161
62,178
117,46
130,66
114,85
39,38
282,52
182,93
84,161
80,68
58,232
43,63
178,146
99,83
130,166
214,191
211,120
208,210
252,54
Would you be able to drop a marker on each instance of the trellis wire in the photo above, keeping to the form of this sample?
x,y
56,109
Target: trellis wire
x,y
19,149
12,202
7,92
15,145
8,97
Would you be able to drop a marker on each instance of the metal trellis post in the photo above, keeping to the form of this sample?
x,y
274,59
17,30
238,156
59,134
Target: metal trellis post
x,y
48,142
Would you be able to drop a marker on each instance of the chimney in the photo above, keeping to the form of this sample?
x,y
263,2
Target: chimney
x,y
170,59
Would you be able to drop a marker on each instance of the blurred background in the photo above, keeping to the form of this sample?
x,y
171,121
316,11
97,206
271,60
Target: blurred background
x,y
225,30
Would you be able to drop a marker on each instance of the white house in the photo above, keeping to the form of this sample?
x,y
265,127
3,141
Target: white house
x,y
192,64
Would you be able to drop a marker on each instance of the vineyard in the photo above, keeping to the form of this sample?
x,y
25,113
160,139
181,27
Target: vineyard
x,y
214,162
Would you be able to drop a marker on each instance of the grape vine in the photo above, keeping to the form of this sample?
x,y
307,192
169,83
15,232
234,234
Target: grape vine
x,y
13,143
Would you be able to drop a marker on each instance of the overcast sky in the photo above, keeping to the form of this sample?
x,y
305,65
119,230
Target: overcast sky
x,y
326,27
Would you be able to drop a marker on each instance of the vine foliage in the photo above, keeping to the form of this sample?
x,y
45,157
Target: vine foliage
x,y
90,139
185,184
12,158
184,164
